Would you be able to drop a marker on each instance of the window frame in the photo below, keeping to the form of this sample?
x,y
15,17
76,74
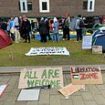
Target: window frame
x,y
91,6
29,3
21,6
85,5
48,6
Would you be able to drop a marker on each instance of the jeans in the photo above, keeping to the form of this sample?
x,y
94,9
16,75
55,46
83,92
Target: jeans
x,y
55,37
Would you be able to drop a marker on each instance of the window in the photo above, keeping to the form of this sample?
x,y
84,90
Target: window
x,y
91,5
19,5
23,6
44,6
85,5
29,6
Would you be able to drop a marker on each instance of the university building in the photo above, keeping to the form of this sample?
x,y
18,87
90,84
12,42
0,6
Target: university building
x,y
36,8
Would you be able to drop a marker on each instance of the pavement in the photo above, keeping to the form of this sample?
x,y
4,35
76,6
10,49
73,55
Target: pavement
x,y
93,94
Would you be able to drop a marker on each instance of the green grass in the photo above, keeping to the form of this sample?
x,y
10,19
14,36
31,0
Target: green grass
x,y
14,55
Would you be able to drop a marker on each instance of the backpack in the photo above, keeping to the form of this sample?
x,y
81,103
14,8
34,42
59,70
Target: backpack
x,y
81,24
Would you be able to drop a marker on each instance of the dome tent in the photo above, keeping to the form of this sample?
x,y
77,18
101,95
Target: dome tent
x,y
5,40
98,38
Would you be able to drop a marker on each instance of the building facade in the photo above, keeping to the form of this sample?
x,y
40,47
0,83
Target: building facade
x,y
36,8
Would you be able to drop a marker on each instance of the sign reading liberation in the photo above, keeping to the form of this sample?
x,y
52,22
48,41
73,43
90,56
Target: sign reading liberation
x,y
86,75
41,77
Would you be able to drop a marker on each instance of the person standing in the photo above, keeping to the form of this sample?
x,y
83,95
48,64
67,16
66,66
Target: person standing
x,y
16,30
48,28
43,30
26,28
79,27
55,29
66,29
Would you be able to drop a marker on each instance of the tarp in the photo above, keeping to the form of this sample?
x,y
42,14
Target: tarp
x,y
5,40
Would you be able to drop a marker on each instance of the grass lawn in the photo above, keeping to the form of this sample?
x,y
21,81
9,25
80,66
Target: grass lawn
x,y
14,55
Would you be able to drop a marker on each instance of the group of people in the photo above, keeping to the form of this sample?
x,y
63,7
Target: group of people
x,y
67,24
21,27
17,28
45,29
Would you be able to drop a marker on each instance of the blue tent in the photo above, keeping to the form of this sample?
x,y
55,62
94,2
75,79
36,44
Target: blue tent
x,y
98,38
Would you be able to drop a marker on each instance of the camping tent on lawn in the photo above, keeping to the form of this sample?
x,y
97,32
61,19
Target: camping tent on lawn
x,y
5,40
98,38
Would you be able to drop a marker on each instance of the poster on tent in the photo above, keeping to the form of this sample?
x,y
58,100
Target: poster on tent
x,y
87,42
37,77
48,51
86,75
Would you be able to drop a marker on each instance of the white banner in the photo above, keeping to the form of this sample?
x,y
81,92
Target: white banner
x,y
48,51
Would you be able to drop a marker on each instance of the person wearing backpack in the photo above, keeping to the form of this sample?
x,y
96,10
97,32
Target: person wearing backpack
x,y
79,27
66,29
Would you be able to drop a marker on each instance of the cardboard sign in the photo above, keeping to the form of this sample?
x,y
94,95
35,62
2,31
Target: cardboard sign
x,y
70,89
96,49
29,95
48,51
86,75
41,77
87,42
2,88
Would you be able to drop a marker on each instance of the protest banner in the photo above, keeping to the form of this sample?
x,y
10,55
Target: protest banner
x,y
48,51
87,42
41,77
86,75
70,89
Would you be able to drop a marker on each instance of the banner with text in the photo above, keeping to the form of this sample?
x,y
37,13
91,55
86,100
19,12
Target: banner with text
x,y
41,77
48,51
86,75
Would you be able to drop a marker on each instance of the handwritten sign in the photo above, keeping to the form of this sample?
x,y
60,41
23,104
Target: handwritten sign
x,y
41,77
96,49
48,51
70,89
86,75
87,42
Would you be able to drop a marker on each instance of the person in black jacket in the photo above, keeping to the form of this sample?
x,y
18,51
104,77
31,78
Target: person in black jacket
x,y
48,28
26,28
43,30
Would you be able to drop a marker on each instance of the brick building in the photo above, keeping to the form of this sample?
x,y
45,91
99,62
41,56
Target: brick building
x,y
35,8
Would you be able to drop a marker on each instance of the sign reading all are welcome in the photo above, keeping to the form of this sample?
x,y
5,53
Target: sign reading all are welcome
x,y
86,75
41,77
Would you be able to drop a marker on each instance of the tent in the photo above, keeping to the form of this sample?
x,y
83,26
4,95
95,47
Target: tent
x,y
5,40
98,38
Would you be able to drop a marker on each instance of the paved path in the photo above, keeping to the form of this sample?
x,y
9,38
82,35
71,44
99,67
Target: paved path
x,y
94,94
18,69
